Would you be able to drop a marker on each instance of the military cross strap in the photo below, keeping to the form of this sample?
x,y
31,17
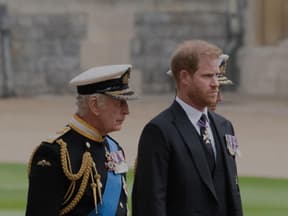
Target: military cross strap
x,y
203,125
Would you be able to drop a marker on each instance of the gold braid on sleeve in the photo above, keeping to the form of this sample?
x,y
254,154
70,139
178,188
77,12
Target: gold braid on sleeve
x,y
84,172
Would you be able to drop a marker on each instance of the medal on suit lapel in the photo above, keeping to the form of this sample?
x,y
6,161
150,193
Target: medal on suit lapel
x,y
232,145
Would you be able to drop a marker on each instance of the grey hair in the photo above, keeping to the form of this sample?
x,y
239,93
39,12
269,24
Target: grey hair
x,y
82,102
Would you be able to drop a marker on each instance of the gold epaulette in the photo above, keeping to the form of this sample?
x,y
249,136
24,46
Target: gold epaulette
x,y
50,139
58,134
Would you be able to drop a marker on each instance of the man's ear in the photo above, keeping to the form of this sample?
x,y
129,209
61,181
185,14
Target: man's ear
x,y
184,77
94,106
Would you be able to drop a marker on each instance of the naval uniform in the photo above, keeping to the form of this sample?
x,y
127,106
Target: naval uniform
x,y
52,193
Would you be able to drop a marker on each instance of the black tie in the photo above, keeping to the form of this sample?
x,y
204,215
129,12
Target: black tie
x,y
203,125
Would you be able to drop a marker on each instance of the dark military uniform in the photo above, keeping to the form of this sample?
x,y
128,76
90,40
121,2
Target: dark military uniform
x,y
61,172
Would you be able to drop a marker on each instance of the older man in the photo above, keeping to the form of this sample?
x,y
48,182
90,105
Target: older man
x,y
81,170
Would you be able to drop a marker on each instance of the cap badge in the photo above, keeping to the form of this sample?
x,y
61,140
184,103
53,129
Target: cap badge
x,y
125,77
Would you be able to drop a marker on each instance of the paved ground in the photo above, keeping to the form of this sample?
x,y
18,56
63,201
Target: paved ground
x,y
260,123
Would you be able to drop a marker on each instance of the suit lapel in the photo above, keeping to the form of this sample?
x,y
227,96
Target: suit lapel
x,y
189,134
220,132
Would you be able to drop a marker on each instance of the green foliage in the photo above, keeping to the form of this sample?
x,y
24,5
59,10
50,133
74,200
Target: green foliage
x,y
130,176
261,196
264,196
13,186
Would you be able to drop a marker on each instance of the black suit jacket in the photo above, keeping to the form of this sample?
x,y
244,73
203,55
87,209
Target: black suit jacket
x,y
172,176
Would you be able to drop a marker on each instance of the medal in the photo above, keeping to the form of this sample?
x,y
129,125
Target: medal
x,y
115,162
109,162
232,145
122,167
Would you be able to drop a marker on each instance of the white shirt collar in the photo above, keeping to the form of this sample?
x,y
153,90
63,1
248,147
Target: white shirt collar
x,y
193,114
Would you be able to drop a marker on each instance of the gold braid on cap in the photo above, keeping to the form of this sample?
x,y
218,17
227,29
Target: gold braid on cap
x,y
86,169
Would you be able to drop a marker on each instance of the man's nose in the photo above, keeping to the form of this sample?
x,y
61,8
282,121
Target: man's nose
x,y
125,107
215,81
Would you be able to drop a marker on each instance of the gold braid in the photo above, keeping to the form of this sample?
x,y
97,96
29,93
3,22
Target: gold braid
x,y
65,161
78,196
84,171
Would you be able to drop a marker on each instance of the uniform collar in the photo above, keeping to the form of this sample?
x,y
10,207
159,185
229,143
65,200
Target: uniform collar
x,y
85,129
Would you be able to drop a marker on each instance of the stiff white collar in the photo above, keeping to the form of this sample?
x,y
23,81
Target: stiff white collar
x,y
85,129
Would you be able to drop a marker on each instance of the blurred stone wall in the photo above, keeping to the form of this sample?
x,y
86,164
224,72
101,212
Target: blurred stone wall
x,y
158,34
52,40
46,51
4,49
264,70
